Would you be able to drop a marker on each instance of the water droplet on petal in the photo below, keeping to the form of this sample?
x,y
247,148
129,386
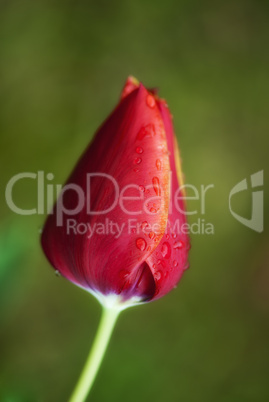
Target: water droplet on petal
x,y
136,170
156,185
162,263
133,230
123,274
57,273
158,164
151,235
158,275
167,236
150,101
174,235
146,131
137,161
141,244
178,244
139,150
166,250
142,188
186,266
175,263
153,210
144,225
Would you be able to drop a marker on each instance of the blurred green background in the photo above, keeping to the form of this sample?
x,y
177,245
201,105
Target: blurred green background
x,y
62,66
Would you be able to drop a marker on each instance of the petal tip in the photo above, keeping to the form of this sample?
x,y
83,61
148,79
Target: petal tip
x,y
130,85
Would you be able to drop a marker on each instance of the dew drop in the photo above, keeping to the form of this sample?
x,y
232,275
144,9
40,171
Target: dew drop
x,y
158,275
146,131
166,250
137,161
174,235
153,210
162,263
144,225
150,101
167,236
158,164
136,170
156,185
178,244
164,103
175,263
153,266
186,266
151,235
133,230
141,244
139,150
142,188
123,274
57,273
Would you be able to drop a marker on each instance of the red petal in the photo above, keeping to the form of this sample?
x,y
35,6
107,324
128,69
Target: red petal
x,y
169,260
131,84
128,147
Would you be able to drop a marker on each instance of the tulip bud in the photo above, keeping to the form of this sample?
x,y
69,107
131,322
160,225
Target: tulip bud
x,y
115,229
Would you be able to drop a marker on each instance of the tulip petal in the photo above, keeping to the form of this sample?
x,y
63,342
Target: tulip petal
x,y
131,84
169,259
130,147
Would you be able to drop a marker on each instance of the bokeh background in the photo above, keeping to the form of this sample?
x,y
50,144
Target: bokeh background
x,y
62,65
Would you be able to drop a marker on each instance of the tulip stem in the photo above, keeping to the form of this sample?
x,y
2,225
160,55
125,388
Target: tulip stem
x,y
97,352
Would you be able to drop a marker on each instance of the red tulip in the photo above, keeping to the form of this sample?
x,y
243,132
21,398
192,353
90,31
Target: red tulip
x,y
126,180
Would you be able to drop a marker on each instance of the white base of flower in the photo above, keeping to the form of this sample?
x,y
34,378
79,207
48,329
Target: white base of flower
x,y
114,301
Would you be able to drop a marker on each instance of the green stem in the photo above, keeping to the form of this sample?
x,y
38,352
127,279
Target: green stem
x,y
102,337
